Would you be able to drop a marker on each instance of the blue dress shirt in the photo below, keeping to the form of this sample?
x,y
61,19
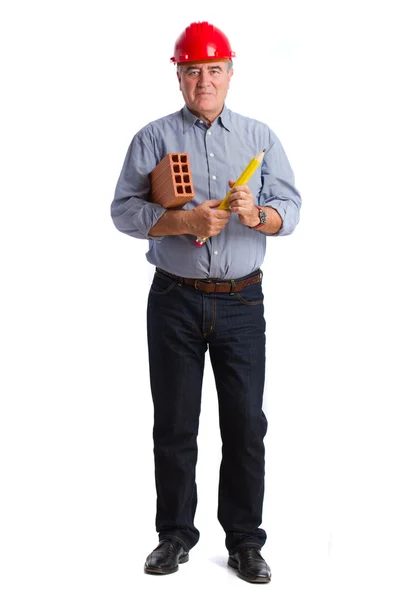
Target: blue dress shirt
x,y
216,154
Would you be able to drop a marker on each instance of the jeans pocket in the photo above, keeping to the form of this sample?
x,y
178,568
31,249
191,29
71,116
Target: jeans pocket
x,y
252,295
162,285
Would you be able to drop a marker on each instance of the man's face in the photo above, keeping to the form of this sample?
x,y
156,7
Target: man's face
x,y
204,87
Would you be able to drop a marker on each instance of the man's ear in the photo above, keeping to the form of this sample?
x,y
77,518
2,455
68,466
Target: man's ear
x,y
179,79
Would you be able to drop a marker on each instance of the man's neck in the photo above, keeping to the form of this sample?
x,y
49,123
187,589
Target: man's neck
x,y
209,119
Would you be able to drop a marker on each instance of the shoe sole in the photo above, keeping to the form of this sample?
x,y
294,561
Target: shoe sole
x,y
153,571
234,565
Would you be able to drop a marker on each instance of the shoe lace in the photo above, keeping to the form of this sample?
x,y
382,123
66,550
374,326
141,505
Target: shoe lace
x,y
250,555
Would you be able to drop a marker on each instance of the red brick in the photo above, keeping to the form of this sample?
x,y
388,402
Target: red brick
x,y
171,181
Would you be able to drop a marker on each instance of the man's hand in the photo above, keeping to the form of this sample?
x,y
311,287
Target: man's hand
x,y
205,221
241,202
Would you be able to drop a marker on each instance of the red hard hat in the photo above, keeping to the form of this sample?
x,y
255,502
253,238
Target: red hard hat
x,y
201,41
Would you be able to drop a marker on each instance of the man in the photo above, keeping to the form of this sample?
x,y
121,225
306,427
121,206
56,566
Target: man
x,y
208,297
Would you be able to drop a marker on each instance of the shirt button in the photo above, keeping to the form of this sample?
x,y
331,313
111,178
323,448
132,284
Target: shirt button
x,y
213,176
212,154
201,121
216,252
208,133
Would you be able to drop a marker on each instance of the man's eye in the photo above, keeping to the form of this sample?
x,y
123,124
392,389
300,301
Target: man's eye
x,y
193,73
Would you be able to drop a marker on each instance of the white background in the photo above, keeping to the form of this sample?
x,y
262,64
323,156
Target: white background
x,y
78,501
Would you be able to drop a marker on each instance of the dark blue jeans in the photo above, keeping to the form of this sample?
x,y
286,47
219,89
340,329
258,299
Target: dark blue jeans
x,y
182,323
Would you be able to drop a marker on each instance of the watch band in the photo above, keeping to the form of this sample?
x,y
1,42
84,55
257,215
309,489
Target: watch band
x,y
263,218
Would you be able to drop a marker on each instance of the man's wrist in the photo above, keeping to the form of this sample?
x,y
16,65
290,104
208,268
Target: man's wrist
x,y
261,218
256,220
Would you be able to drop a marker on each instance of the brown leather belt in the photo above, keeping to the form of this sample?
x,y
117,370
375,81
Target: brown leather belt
x,y
211,285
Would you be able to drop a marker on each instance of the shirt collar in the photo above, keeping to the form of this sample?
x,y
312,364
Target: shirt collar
x,y
225,118
189,119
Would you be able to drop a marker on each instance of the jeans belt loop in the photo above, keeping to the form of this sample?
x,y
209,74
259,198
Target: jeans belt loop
x,y
196,284
232,291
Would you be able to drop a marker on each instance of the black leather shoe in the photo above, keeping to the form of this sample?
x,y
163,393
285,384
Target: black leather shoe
x,y
165,558
250,565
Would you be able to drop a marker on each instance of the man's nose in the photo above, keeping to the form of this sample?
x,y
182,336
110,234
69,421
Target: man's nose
x,y
203,79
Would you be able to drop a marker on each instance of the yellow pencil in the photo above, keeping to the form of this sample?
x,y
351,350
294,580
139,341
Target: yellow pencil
x,y
242,180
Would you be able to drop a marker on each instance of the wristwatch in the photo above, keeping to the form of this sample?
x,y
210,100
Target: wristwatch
x,y
262,217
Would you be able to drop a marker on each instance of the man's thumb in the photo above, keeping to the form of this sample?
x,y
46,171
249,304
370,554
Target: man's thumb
x,y
214,203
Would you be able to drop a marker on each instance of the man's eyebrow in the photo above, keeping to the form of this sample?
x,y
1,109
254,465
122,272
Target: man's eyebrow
x,y
194,67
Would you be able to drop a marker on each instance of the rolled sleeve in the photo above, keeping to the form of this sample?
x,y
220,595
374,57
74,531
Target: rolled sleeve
x,y
278,189
131,210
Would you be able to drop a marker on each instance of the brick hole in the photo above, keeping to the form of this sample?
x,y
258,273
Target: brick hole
x,y
177,169
183,158
178,179
186,179
179,189
188,189
185,169
175,158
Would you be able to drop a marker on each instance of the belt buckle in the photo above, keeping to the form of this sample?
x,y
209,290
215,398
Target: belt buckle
x,y
201,281
232,290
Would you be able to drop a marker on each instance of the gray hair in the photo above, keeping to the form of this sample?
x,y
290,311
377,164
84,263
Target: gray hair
x,y
229,66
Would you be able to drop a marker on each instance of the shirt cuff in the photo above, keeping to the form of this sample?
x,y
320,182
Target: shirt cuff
x,y
288,213
147,218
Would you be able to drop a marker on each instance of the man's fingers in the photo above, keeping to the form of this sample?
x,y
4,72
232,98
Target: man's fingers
x,y
212,203
222,214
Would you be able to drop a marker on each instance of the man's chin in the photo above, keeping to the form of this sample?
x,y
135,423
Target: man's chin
x,y
205,104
